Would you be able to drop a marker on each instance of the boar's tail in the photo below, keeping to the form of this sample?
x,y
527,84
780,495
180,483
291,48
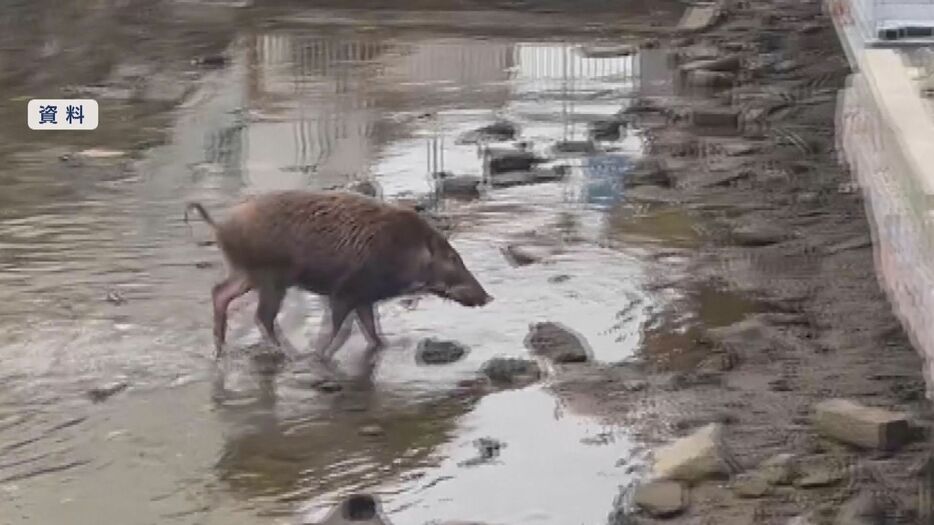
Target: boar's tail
x,y
201,211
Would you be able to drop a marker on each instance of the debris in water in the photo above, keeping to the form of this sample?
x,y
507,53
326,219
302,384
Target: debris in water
x,y
114,297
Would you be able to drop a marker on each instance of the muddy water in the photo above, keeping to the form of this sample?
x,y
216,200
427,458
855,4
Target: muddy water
x,y
244,441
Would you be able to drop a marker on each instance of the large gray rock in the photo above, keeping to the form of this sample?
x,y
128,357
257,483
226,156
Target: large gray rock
x,y
661,499
557,343
860,425
692,458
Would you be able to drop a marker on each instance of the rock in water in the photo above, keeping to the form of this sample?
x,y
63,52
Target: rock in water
x,y
557,343
432,351
363,509
458,186
104,392
498,131
511,371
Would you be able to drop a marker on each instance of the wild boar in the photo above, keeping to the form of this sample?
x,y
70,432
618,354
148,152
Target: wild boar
x,y
352,249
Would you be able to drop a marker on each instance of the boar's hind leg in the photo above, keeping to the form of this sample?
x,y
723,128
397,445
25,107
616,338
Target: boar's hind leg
x,y
365,314
222,295
270,301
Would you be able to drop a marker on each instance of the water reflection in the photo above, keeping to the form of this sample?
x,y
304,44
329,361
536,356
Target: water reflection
x,y
309,109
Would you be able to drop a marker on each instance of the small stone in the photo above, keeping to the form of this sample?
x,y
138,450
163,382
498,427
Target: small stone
x,y
557,343
558,279
778,470
621,50
607,130
661,499
719,362
511,160
861,509
704,78
863,426
635,385
327,386
104,392
715,117
574,146
498,131
372,431
750,485
433,351
755,235
692,458
369,188
730,63
523,255
210,61
819,474
511,371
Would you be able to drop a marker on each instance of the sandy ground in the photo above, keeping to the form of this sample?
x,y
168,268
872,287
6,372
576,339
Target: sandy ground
x,y
784,226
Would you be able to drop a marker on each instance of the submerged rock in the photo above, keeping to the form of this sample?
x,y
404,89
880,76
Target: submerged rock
x,y
508,371
104,392
432,351
557,343
501,130
363,509
521,255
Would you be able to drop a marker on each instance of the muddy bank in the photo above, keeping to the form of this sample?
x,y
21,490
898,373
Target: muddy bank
x,y
752,157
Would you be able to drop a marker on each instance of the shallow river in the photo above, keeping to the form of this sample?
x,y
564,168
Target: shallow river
x,y
102,282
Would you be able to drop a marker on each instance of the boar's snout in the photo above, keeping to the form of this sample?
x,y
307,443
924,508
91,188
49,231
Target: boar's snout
x,y
452,280
472,295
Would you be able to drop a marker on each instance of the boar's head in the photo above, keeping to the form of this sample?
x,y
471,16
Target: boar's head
x,y
448,277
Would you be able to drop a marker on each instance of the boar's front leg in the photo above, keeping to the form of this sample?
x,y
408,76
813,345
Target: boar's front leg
x,y
365,314
339,308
